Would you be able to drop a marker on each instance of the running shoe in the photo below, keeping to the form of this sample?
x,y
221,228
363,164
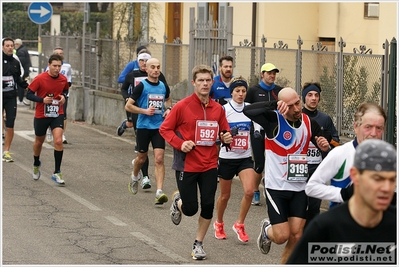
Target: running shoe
x,y
240,231
256,198
121,129
146,183
198,251
175,213
133,186
36,172
7,156
57,177
64,141
264,243
219,230
49,136
160,198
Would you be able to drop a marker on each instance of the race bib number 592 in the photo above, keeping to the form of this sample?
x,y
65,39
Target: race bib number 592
x,y
206,133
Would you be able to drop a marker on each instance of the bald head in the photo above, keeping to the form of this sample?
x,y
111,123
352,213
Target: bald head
x,y
293,101
152,61
153,69
286,94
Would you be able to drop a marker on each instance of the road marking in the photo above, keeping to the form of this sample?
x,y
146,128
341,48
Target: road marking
x,y
160,248
115,220
28,136
48,181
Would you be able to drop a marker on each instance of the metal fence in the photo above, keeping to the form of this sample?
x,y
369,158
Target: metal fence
x,y
347,79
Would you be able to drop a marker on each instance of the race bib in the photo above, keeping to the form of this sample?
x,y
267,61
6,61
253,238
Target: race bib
x,y
206,133
8,83
156,100
297,168
51,110
314,154
240,142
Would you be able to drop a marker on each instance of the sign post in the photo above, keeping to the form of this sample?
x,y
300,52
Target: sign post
x,y
40,13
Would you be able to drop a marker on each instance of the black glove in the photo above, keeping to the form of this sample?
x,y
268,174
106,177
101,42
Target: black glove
x,y
257,135
221,100
227,146
347,192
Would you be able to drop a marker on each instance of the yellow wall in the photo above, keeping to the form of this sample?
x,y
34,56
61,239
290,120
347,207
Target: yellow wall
x,y
286,21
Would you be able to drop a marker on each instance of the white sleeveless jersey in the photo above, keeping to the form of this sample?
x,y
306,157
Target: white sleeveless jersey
x,y
241,144
289,140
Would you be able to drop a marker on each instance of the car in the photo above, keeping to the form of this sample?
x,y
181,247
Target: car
x,y
35,58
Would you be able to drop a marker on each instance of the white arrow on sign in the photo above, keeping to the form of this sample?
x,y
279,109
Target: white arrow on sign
x,y
43,11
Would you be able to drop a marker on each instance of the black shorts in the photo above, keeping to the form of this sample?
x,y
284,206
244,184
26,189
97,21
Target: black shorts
x,y
10,107
145,136
282,204
228,168
41,125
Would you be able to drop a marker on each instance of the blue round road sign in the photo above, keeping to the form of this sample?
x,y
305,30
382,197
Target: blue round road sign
x,y
40,12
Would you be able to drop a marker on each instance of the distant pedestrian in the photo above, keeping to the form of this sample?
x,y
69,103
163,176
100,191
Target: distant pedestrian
x,y
132,65
367,217
24,58
191,128
11,78
49,90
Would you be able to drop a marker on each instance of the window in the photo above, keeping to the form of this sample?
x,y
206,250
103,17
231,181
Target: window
x,y
372,10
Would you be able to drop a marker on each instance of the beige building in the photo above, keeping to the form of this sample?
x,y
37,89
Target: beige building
x,y
357,23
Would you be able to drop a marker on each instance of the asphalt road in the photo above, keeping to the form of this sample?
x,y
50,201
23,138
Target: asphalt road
x,y
94,219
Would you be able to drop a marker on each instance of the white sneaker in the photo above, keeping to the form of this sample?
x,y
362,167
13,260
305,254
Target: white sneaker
x,y
64,141
57,177
20,103
49,136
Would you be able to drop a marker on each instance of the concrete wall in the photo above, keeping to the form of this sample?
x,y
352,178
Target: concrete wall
x,y
102,108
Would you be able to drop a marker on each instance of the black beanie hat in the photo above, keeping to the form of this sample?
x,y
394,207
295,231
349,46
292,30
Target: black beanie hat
x,y
141,47
309,88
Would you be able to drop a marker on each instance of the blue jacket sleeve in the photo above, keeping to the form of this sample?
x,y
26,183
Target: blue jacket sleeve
x,y
129,67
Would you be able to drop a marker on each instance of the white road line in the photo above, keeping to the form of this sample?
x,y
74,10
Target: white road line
x,y
160,248
48,181
115,220
30,135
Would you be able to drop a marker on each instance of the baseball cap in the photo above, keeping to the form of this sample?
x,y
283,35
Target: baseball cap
x,y
269,67
375,155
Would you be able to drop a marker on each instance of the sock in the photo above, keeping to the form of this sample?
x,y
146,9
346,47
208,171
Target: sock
x,y
57,160
144,168
267,227
134,178
159,191
36,160
197,242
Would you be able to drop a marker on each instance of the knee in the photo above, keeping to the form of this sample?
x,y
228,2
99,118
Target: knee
x,y
159,160
280,237
190,208
249,193
224,197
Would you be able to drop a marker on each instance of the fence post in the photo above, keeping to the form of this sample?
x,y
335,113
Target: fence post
x,y
340,86
298,65
191,51
391,126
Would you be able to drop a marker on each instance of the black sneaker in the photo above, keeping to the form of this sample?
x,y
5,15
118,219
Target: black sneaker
x,y
121,129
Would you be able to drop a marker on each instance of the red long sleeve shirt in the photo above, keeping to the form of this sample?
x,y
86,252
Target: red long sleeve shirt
x,y
182,120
